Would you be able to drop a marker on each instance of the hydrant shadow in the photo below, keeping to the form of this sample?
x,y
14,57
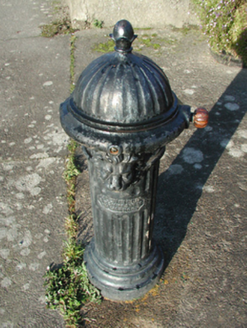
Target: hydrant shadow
x,y
181,186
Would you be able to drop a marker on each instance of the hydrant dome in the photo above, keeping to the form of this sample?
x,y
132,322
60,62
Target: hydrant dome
x,y
123,88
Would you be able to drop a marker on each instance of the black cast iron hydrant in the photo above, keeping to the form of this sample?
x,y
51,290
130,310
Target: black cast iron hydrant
x,y
124,112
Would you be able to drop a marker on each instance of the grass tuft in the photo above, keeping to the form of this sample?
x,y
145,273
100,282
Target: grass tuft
x,y
73,39
68,287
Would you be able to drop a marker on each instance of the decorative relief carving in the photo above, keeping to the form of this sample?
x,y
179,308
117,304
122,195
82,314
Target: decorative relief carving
x,y
118,170
120,205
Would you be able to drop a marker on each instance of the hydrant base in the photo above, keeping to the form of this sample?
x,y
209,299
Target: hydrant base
x,y
124,283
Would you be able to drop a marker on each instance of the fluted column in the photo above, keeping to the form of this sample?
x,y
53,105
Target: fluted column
x,y
123,192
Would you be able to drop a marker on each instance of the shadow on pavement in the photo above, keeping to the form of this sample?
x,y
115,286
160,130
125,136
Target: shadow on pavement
x,y
181,186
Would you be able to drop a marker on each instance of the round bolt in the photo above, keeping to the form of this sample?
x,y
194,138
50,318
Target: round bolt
x,y
114,150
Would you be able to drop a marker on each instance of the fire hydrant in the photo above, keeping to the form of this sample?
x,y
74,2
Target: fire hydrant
x,y
124,112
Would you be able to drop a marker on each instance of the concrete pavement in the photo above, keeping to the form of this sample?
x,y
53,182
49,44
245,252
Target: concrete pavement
x,y
34,80
201,216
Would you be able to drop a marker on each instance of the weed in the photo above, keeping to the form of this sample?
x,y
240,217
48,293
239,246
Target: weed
x,y
104,47
67,286
72,146
57,27
185,29
71,170
97,23
224,22
71,226
156,46
72,62
145,39
151,41
143,28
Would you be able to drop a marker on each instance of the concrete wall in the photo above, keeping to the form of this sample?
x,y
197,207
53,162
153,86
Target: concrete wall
x,y
141,13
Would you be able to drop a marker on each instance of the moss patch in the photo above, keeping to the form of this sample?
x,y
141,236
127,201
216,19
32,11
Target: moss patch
x,y
152,41
62,26
104,47
145,40
143,28
186,29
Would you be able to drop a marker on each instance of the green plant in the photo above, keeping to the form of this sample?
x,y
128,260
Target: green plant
x,y
105,47
150,41
67,285
225,24
143,28
156,46
97,23
71,169
62,26
146,39
239,33
73,39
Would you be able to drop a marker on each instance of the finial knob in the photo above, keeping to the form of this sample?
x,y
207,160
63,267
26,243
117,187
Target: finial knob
x,y
123,35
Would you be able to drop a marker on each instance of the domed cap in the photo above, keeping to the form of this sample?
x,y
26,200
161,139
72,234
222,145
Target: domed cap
x,y
123,90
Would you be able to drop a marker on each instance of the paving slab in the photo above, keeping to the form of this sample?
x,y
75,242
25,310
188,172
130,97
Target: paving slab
x,y
31,234
34,80
23,18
